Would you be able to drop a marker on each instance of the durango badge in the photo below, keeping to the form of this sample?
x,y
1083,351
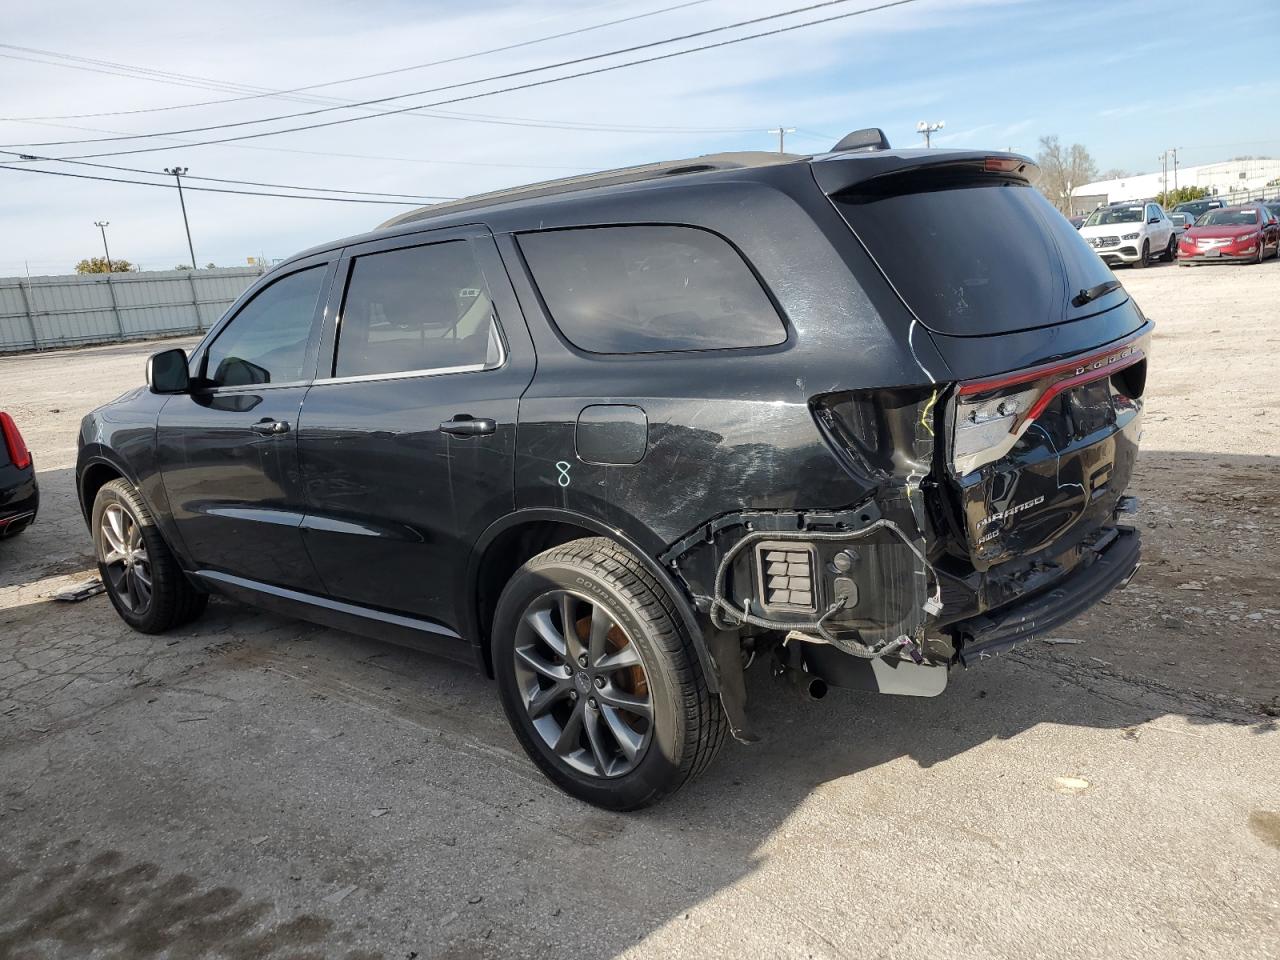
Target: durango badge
x,y
1005,514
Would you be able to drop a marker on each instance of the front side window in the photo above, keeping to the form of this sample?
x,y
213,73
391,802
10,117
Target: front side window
x,y
418,309
266,342
650,289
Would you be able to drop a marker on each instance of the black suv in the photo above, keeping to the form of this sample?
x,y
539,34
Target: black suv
x,y
863,416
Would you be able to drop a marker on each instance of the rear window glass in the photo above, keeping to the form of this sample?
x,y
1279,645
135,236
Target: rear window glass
x,y
650,289
975,256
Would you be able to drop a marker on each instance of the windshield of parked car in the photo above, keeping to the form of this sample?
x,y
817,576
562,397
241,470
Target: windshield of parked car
x,y
1228,218
1110,215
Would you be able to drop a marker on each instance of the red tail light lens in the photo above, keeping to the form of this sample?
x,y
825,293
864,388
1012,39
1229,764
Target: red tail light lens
x,y
988,416
18,452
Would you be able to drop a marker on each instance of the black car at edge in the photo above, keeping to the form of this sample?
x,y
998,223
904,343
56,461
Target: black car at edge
x,y
864,417
19,494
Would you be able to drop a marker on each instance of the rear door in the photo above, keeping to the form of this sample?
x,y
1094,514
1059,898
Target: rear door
x,y
407,439
228,449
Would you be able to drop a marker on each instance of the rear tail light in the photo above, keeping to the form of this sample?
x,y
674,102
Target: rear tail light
x,y
989,416
17,447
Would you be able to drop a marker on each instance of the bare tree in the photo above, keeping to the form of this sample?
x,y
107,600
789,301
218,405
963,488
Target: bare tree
x,y
1062,169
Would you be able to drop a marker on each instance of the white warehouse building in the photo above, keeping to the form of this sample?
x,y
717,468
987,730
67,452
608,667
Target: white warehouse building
x,y
1233,180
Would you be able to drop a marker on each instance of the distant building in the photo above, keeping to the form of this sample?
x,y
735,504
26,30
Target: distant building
x,y
1233,180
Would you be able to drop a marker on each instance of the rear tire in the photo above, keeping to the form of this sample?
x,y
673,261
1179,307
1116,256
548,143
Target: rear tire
x,y
599,678
144,582
1171,254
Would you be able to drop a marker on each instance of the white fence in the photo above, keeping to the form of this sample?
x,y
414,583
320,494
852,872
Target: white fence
x,y
38,313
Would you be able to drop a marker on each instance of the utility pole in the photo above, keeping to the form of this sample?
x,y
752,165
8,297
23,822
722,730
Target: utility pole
x,y
1164,175
1174,151
102,225
178,173
929,129
782,132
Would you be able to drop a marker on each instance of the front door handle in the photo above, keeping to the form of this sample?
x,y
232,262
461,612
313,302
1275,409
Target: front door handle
x,y
270,428
464,426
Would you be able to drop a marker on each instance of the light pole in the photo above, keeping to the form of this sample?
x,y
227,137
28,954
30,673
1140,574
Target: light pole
x,y
102,225
782,132
929,129
178,173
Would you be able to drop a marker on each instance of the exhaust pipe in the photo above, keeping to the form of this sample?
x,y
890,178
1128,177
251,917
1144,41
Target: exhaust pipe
x,y
807,686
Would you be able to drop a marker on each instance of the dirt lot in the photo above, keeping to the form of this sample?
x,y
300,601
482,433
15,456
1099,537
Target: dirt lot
x,y
256,787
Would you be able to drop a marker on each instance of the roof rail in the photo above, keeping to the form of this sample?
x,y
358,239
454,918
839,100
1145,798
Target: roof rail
x,y
602,178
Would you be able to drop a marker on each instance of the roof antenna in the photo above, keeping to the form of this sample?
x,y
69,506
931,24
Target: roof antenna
x,y
863,141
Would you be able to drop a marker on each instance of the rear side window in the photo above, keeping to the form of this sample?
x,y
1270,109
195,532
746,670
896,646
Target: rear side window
x,y
266,342
975,255
650,289
417,309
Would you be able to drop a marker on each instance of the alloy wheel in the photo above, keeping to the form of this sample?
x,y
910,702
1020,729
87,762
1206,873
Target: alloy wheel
x,y
583,684
123,555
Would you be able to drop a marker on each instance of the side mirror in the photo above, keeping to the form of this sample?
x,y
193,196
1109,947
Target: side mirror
x,y
167,372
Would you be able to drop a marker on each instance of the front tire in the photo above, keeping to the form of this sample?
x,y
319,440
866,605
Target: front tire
x,y
143,579
1144,256
599,678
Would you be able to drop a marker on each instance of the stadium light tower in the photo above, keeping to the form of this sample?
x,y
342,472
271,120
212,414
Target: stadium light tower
x,y
929,129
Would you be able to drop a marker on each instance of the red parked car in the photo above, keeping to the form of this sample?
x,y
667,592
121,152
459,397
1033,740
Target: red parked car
x,y
1248,232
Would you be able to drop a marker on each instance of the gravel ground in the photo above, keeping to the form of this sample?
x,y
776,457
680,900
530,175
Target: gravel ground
x,y
257,787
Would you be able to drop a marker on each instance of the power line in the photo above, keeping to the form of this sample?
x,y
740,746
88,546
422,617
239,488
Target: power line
x,y
162,76
246,183
510,75
246,193
333,154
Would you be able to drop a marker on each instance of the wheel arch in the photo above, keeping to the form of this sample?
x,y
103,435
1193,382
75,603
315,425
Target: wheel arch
x,y
508,543
96,470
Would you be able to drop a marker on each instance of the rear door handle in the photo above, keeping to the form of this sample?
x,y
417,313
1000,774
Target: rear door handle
x,y
464,426
270,428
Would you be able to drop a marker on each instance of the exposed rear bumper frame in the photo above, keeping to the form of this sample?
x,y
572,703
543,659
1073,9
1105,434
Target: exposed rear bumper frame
x,y
999,630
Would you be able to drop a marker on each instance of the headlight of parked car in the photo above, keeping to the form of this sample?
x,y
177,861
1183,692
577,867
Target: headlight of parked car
x,y
1130,236
1245,236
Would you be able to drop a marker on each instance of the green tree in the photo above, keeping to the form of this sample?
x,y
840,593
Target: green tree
x,y
100,265
1171,198
1062,170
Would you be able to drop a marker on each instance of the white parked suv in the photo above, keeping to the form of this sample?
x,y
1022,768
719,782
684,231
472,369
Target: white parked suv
x,y
1131,233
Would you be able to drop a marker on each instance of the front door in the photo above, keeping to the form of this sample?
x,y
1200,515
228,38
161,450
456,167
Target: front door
x,y
228,449
407,438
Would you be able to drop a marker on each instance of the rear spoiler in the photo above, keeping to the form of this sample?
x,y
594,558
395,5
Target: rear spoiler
x,y
838,172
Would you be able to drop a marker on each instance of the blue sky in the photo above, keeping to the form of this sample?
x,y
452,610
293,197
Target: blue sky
x,y
1119,76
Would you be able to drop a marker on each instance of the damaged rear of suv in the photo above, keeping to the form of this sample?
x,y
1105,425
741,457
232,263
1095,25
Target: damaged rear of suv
x,y
865,417
988,481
